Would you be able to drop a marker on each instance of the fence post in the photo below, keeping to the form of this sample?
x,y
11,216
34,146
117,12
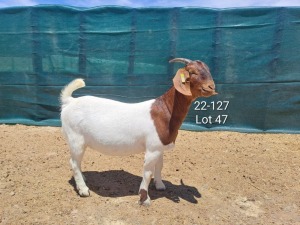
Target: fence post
x,y
37,58
82,45
173,39
216,43
132,44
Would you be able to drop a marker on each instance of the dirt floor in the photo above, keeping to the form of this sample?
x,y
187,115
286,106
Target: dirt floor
x,y
211,178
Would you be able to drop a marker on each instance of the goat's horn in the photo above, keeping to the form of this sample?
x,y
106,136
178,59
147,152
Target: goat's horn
x,y
182,60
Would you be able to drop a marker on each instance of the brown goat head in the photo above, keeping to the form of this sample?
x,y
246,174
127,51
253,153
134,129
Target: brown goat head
x,y
194,79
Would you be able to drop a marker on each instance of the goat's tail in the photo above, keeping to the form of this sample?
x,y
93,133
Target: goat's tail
x,y
66,93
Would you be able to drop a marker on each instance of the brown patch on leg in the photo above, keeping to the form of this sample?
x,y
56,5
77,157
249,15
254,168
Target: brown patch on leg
x,y
144,195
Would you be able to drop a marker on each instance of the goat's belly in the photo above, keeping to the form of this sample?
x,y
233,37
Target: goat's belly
x,y
117,149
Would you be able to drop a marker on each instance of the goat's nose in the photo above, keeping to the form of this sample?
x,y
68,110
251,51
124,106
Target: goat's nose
x,y
212,86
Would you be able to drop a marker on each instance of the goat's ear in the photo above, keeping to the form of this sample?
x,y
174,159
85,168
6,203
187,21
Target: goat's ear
x,y
181,82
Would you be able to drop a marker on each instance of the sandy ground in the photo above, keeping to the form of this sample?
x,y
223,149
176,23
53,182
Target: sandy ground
x,y
211,178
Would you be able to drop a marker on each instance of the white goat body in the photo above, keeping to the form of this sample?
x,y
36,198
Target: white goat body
x,y
111,127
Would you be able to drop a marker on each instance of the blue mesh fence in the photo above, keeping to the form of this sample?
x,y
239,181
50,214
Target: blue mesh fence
x,y
123,54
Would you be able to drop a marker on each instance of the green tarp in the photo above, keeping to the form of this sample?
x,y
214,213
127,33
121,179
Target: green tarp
x,y
122,53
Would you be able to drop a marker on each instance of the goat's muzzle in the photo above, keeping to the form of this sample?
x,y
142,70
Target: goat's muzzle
x,y
208,89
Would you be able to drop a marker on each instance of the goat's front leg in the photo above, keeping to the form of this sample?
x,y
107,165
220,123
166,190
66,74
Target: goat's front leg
x,y
159,185
151,158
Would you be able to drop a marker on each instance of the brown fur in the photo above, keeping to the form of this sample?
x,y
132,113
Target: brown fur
x,y
144,195
169,110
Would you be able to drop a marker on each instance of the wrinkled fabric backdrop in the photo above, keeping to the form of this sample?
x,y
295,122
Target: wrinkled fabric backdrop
x,y
123,53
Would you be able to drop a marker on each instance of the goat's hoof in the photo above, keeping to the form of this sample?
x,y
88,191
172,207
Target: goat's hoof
x,y
144,198
84,192
160,186
147,202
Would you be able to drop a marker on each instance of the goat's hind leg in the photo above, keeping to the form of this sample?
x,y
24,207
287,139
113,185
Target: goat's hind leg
x,y
77,150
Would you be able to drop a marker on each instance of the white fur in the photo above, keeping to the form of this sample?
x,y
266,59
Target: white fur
x,y
112,128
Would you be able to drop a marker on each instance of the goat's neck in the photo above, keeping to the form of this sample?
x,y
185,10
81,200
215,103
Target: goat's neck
x,y
178,105
168,112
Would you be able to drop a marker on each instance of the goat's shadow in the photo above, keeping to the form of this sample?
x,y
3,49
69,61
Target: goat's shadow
x,y
119,183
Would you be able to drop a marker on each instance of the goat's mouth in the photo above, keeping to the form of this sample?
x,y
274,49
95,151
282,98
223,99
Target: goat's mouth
x,y
208,92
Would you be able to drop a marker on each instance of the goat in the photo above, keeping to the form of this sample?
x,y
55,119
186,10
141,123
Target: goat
x,y
117,128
